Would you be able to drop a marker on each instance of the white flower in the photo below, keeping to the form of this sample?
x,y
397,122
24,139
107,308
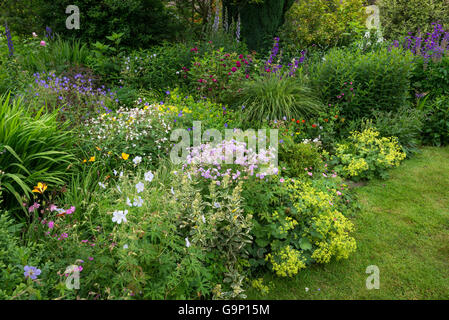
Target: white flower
x,y
137,160
120,216
138,202
217,205
140,186
115,172
172,191
187,242
128,202
125,246
149,176
204,219
119,190
307,289
102,185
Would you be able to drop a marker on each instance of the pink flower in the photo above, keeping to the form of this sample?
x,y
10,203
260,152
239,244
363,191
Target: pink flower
x,y
90,258
310,173
281,180
238,64
43,43
324,175
80,268
53,207
34,207
339,193
247,76
71,210
34,35
51,224
234,69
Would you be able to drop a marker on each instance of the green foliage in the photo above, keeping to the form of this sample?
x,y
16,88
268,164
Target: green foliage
x,y
142,22
399,17
158,68
361,83
436,125
260,20
56,56
74,95
296,157
431,77
273,97
406,124
219,74
305,225
324,23
34,148
366,155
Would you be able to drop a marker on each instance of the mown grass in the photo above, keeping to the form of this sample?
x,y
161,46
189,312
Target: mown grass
x,y
403,228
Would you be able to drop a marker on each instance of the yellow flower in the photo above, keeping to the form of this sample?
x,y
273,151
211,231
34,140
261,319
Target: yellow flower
x,y
40,188
98,148
125,156
84,161
92,159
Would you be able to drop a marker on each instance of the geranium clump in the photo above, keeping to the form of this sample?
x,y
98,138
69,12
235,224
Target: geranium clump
x,y
366,155
217,161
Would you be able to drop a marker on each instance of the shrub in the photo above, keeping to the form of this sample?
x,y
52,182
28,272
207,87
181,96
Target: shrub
x,y
324,23
406,124
298,156
274,97
158,68
399,17
218,74
142,22
34,149
365,155
436,126
361,83
430,77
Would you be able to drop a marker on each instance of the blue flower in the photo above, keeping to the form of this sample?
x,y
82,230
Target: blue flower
x,y
31,272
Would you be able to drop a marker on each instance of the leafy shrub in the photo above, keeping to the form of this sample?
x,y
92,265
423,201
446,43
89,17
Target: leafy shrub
x,y
34,148
361,83
430,77
399,17
142,22
273,98
365,155
324,23
406,124
158,68
299,156
436,125
218,74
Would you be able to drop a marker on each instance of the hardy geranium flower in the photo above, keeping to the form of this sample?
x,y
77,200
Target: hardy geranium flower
x,y
120,216
31,272
40,188
149,176
139,187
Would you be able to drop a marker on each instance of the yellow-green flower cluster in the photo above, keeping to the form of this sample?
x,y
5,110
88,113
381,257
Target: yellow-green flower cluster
x,y
286,262
259,285
366,154
317,211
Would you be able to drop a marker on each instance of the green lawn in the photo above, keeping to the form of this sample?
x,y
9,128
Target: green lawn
x,y
403,228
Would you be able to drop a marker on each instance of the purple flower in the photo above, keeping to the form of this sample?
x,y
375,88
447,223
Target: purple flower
x,y
31,272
